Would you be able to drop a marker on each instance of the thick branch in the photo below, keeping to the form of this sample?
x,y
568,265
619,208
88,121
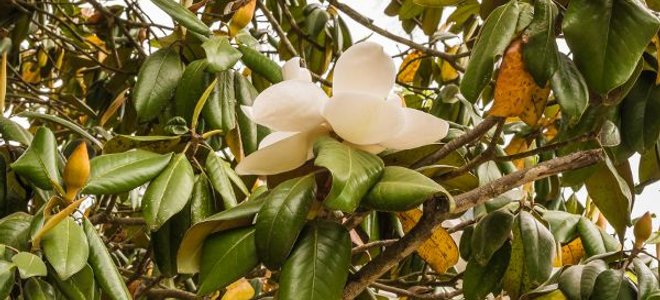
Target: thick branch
x,y
434,216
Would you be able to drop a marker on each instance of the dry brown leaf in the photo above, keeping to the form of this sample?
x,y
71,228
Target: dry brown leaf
x,y
533,110
114,106
239,290
409,67
439,251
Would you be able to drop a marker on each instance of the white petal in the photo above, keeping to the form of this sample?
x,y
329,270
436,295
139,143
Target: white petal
x,y
373,148
363,119
291,70
419,129
247,110
364,68
280,153
290,106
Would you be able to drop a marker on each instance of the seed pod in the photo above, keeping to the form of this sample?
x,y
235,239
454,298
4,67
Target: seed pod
x,y
643,230
76,171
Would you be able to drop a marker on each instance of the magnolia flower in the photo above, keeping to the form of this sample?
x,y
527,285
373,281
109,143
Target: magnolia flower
x,y
362,111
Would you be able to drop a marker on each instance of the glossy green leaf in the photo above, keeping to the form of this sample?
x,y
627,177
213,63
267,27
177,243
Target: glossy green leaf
x,y
611,194
245,95
649,168
540,52
169,192
202,202
318,266
639,114
465,243
188,257
221,56
495,36
218,171
66,248
569,281
7,274
122,172
159,144
647,283
191,86
226,257
570,90
532,254
220,109
591,240
80,286
589,275
29,265
12,131
260,64
613,284
607,39
401,189
104,268
39,163
167,239
563,225
353,171
282,218
490,234
182,15
158,77
480,280
37,289
15,230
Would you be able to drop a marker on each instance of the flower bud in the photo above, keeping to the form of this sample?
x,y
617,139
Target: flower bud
x,y
643,230
76,170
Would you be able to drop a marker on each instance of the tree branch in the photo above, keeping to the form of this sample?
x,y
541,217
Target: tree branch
x,y
434,215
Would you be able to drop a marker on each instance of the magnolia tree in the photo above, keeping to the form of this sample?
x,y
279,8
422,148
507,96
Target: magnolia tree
x,y
256,150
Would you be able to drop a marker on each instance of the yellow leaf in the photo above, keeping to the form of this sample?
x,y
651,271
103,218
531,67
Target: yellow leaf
x,y
554,295
114,106
242,17
447,72
517,145
3,81
571,253
234,143
439,251
95,40
516,93
30,72
409,66
239,290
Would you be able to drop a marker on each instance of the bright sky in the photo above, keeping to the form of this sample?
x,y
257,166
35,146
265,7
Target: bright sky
x,y
649,200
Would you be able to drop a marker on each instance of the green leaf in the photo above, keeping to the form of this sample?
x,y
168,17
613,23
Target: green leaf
x,y
282,218
218,171
167,239
562,224
68,124
569,281
202,202
191,86
649,168
611,194
607,39
122,172
245,95
589,275
15,230
11,131
153,143
495,36
29,265
184,16
188,257
532,254
353,171
104,268
401,189
37,289
540,52
219,112
156,82
81,286
570,89
647,283
490,234
221,56
6,278
169,192
39,162
260,64
436,3
639,114
613,284
479,281
318,266
226,257
66,248
591,240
